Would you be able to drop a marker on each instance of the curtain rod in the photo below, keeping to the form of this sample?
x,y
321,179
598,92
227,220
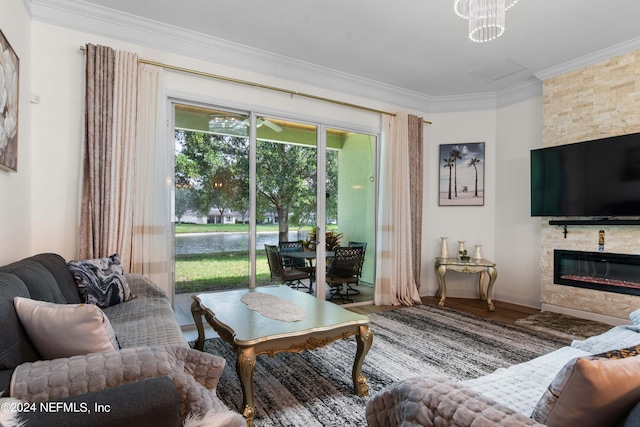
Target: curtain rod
x,y
262,86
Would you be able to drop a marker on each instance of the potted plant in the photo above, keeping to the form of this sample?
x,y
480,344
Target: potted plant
x,y
463,255
332,239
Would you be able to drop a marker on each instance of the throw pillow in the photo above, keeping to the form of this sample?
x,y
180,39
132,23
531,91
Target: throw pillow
x,y
620,353
590,391
101,281
65,330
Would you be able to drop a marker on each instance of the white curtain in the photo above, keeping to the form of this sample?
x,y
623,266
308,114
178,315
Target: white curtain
x,y
123,148
152,252
395,280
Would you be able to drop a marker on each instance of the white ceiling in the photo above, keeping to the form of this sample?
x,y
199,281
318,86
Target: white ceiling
x,y
420,46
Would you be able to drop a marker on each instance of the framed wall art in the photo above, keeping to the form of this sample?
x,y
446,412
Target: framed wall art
x,y
9,84
461,174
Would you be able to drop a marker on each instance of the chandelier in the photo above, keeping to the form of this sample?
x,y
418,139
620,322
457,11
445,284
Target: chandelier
x,y
486,17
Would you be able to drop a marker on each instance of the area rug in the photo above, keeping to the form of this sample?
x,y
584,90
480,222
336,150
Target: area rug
x,y
314,388
563,326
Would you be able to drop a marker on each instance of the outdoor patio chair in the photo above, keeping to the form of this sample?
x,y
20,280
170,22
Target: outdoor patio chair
x,y
363,245
342,272
295,246
287,276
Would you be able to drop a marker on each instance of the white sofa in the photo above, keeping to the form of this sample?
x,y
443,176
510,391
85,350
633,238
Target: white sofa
x,y
522,394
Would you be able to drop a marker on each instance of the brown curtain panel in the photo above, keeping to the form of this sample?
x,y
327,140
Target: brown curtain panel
x,y
416,134
94,217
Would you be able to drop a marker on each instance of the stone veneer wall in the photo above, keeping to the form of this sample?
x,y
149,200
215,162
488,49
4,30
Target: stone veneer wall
x,y
594,102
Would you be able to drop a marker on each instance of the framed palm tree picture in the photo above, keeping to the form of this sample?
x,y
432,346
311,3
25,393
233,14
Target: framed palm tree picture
x,y
9,72
461,180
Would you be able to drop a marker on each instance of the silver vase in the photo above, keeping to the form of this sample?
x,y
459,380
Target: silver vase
x,y
444,247
477,253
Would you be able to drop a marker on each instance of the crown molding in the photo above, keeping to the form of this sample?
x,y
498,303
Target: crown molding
x,y
520,92
590,59
94,19
459,103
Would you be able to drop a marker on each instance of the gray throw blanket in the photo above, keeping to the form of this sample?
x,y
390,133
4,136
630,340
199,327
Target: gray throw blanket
x,y
436,401
194,373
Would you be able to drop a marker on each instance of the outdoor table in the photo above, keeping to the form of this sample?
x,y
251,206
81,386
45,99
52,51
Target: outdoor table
x,y
308,256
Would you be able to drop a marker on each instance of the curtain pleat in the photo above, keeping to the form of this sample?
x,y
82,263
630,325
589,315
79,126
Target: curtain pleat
x,y
124,147
415,147
395,279
95,213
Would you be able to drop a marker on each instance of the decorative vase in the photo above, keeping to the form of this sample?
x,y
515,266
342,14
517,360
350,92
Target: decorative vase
x,y
477,253
444,247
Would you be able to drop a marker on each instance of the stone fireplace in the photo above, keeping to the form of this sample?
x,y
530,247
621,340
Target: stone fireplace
x,y
593,102
608,272
601,303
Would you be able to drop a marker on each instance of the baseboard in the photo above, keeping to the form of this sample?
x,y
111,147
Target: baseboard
x,y
472,292
610,320
517,300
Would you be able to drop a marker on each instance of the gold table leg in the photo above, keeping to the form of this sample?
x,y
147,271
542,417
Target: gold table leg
x,y
493,274
245,367
197,313
442,286
364,339
483,295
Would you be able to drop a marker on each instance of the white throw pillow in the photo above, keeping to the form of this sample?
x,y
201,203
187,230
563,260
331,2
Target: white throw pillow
x,y
65,330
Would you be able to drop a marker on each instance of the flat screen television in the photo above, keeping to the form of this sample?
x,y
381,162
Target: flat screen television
x,y
599,178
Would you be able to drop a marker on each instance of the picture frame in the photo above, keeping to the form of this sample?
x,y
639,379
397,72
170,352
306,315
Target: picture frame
x,y
9,96
461,178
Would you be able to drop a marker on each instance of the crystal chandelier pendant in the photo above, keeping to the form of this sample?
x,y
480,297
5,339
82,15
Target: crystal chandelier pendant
x,y
486,17
461,7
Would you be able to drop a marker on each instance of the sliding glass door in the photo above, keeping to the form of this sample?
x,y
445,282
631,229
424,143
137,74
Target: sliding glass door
x,y
243,181
351,202
211,199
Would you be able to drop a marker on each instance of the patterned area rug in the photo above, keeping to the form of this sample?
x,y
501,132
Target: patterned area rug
x,y
563,326
314,388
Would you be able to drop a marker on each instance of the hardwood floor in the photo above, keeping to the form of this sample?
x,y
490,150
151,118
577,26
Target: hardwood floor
x,y
505,312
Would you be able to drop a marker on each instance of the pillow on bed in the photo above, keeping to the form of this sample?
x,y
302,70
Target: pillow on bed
x,y
65,330
591,391
101,281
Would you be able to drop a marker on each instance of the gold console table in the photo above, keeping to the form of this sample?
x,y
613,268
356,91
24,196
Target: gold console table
x,y
480,266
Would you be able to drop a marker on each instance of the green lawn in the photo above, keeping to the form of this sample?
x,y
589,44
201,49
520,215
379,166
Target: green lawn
x,y
221,270
218,271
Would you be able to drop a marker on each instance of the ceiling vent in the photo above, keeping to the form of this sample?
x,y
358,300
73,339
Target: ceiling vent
x,y
497,70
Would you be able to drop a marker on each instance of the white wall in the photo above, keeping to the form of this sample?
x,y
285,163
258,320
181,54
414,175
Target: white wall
x,y
519,130
15,188
509,133
510,237
58,80
473,224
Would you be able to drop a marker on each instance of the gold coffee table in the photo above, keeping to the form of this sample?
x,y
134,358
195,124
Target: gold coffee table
x,y
250,333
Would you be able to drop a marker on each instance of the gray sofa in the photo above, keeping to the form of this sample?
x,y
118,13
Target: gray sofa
x,y
592,382
154,379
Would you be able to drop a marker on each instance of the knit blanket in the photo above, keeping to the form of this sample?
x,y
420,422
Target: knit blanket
x,y
194,373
